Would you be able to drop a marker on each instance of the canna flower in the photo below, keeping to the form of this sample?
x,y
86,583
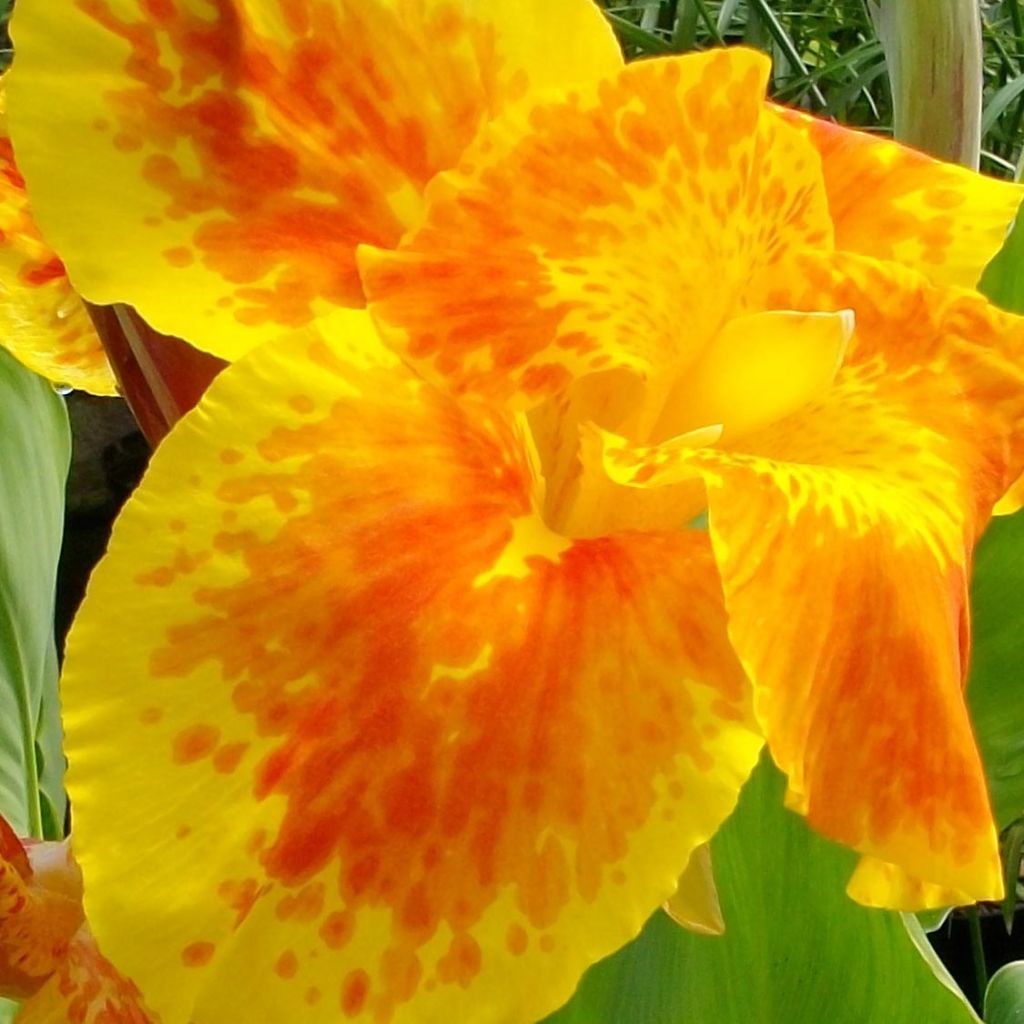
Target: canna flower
x,y
430,684
42,321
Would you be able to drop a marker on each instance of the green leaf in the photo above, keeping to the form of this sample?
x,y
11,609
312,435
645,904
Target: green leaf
x,y
1004,998
993,691
35,449
796,950
1002,281
1013,852
997,663
996,106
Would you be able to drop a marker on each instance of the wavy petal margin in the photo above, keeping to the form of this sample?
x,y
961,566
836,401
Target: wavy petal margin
x,y
843,536
388,746
612,228
215,163
891,202
42,321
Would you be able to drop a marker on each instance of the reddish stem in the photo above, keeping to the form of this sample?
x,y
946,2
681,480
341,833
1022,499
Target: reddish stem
x,y
162,377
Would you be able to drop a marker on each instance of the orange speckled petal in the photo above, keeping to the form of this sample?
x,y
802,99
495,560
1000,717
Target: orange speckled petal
x,y
215,164
38,917
894,203
85,989
613,229
42,321
842,533
388,748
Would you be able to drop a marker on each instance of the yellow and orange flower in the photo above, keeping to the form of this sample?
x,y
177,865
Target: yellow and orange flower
x,y
424,688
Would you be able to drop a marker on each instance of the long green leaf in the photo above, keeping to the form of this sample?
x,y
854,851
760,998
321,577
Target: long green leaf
x,y
996,106
34,454
997,663
797,950
1003,279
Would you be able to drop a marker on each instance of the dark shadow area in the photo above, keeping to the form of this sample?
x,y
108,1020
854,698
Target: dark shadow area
x,y
108,458
953,944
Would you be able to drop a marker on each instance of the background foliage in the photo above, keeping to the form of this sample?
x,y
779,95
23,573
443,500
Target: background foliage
x,y
827,57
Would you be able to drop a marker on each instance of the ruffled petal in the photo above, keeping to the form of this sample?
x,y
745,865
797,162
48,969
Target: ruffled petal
x,y
42,321
388,747
85,989
843,535
615,228
215,164
47,956
40,912
894,203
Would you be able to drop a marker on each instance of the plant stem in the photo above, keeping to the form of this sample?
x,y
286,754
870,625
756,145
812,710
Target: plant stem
x,y
978,953
934,52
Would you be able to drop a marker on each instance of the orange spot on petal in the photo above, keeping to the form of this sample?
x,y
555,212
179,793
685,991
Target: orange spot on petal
x,y
354,991
197,954
337,929
462,963
179,256
227,757
194,743
516,939
287,965
302,403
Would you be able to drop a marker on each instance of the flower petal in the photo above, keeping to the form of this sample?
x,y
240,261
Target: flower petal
x,y
215,164
759,368
613,228
843,534
86,989
894,203
1012,501
39,913
877,883
695,905
385,739
42,321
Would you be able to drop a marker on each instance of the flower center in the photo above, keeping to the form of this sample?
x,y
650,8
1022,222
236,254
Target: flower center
x,y
758,369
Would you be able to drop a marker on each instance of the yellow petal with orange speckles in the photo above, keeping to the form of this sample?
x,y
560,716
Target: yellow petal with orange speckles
x,y
613,229
842,533
389,748
42,321
39,913
215,164
47,956
86,989
894,203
